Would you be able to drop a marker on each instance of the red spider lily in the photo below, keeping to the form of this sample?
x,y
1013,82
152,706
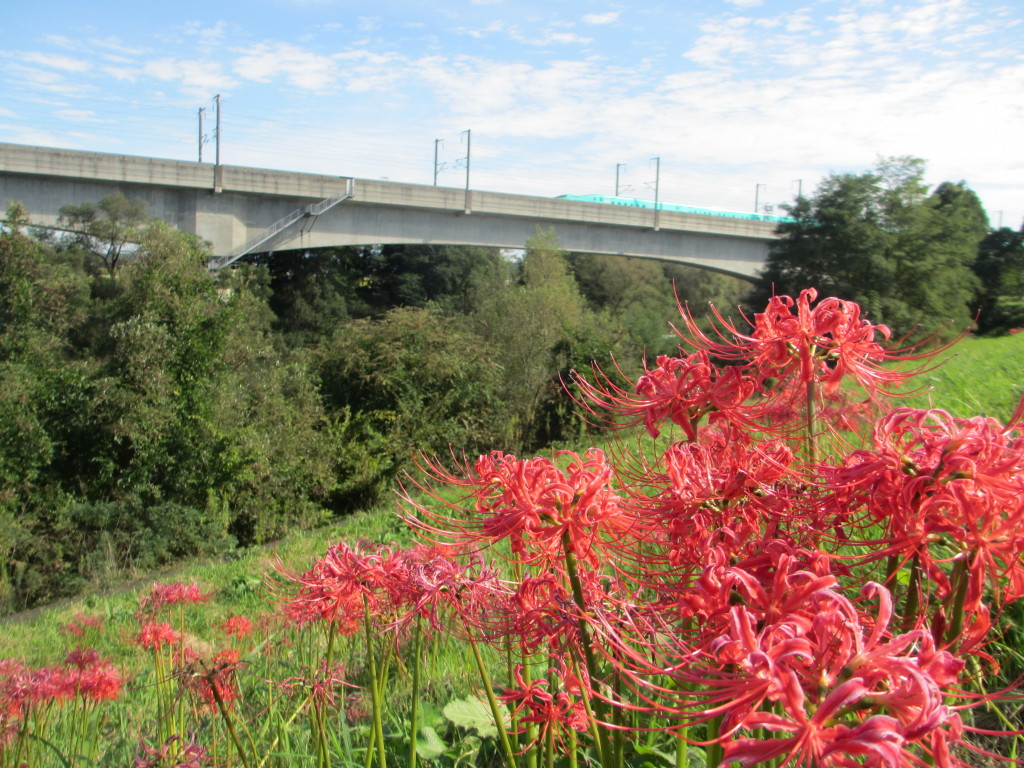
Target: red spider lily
x,y
540,703
152,635
712,494
946,489
236,626
786,406
214,679
771,643
825,343
91,677
439,586
80,624
347,581
543,614
820,741
100,682
681,389
161,595
532,503
322,684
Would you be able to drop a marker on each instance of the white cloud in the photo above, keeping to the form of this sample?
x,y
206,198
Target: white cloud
x,y
195,77
78,115
63,63
208,36
296,66
546,37
601,18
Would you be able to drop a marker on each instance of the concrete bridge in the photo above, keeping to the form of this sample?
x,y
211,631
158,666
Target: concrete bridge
x,y
246,210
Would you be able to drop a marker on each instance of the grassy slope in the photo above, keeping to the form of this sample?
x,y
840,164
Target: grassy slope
x,y
978,376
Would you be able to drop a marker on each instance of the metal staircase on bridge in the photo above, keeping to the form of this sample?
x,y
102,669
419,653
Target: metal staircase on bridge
x,y
310,211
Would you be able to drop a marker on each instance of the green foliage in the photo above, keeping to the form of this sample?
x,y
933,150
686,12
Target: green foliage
x,y
1000,268
106,229
877,239
147,417
458,279
309,293
414,380
538,329
473,713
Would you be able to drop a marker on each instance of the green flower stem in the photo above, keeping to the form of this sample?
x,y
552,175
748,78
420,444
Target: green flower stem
x,y
549,747
228,721
499,722
414,715
378,724
603,745
960,579
811,412
682,748
913,598
714,751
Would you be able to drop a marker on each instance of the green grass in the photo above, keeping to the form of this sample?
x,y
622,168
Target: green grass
x,y
978,376
240,584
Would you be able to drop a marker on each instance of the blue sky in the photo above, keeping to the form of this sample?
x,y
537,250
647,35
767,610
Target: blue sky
x,y
738,99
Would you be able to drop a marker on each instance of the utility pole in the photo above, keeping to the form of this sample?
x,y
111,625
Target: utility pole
x,y
468,134
437,167
617,167
216,100
202,139
757,196
799,187
218,172
657,185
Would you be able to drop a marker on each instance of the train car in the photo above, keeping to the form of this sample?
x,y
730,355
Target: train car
x,y
634,202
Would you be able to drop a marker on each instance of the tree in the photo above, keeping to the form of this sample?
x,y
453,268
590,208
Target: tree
x,y
106,228
1000,268
411,380
538,329
878,239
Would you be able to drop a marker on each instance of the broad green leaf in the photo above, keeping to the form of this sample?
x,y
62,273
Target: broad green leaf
x,y
428,744
474,713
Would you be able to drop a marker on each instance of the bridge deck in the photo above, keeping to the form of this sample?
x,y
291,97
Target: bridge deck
x,y
230,205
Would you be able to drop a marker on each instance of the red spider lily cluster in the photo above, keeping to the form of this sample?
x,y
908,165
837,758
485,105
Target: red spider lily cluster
x,y
162,595
737,588
81,624
389,584
766,604
154,635
237,626
84,676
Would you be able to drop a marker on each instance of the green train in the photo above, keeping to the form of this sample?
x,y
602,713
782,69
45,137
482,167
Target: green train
x,y
634,202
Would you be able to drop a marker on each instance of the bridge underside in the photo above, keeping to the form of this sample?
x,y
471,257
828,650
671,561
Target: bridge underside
x,y
353,224
231,207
